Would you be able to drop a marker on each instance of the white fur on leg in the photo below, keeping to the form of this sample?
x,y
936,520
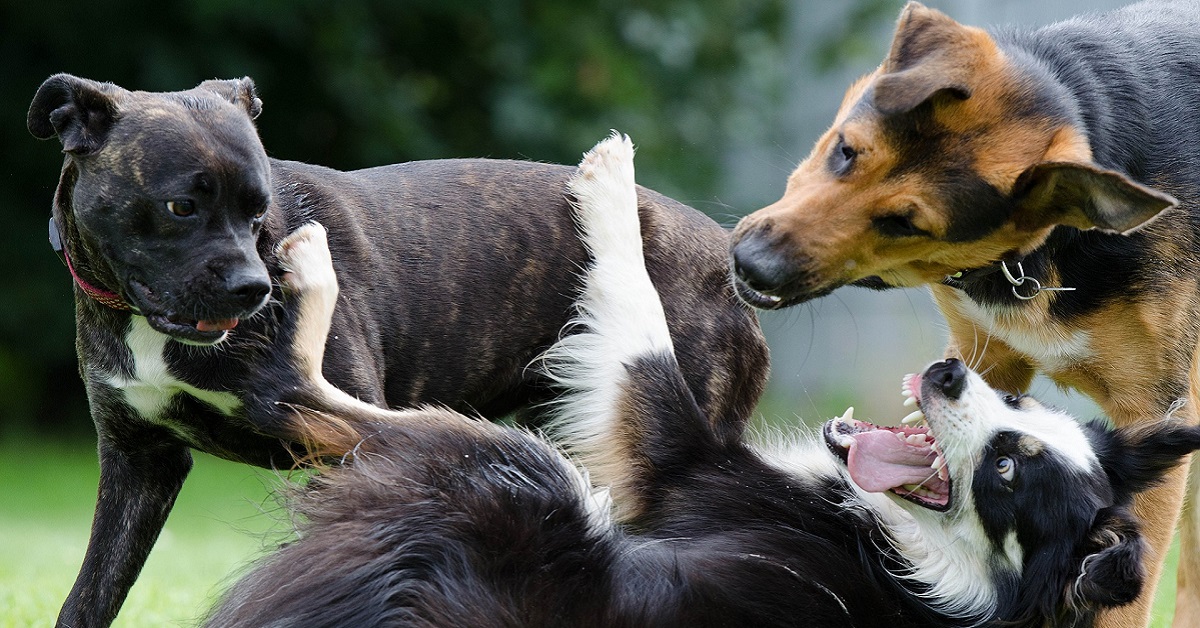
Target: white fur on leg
x,y
619,315
304,255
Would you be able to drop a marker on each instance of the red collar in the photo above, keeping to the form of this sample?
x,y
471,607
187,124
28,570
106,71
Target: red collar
x,y
104,297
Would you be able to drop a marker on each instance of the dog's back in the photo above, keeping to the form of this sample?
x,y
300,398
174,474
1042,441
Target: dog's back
x,y
442,321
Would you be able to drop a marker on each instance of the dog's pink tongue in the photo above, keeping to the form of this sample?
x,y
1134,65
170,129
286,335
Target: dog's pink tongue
x,y
223,324
879,460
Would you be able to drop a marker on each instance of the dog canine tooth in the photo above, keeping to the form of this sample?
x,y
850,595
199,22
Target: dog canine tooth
x,y
916,416
910,401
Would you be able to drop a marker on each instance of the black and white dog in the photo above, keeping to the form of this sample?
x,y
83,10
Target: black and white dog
x,y
997,511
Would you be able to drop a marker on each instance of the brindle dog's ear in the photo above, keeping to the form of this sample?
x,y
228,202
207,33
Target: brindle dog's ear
x,y
1085,196
237,91
925,60
79,111
1112,570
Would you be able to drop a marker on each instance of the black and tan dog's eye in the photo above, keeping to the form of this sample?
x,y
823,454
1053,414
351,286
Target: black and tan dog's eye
x,y
842,157
182,209
897,226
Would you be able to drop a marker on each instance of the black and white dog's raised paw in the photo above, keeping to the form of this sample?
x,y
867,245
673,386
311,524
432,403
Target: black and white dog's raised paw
x,y
308,274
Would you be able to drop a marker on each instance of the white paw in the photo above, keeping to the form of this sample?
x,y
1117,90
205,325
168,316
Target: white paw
x,y
304,257
606,199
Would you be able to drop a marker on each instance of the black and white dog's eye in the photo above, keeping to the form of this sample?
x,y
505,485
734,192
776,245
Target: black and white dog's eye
x,y
182,209
1006,467
842,157
1012,401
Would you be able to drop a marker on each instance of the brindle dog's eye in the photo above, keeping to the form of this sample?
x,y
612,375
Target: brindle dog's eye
x,y
261,211
1006,467
182,209
842,157
897,226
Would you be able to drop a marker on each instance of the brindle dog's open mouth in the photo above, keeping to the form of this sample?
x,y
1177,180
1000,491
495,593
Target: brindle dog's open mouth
x,y
197,331
904,460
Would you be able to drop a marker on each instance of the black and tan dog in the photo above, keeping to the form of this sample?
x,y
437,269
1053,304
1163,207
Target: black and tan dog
x,y
998,166
454,274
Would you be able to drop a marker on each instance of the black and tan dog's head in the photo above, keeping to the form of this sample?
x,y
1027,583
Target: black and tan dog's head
x,y
953,154
162,197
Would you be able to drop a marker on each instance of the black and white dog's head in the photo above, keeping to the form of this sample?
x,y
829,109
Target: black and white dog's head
x,y
1001,502
162,197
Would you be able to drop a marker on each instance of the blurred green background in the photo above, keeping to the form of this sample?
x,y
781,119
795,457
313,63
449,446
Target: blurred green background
x,y
722,99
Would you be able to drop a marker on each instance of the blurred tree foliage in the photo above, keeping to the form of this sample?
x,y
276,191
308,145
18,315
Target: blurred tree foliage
x,y
356,83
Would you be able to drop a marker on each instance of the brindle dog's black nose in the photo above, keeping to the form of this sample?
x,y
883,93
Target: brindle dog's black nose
x,y
950,377
248,289
759,266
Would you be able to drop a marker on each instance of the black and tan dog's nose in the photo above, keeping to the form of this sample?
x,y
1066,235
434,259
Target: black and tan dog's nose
x,y
756,263
949,377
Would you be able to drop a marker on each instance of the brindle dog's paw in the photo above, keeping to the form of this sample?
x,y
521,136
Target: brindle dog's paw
x,y
308,267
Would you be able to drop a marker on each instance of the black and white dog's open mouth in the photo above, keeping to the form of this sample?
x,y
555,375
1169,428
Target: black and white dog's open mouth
x,y
904,460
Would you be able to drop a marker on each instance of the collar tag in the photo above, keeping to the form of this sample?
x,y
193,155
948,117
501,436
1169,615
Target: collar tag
x,y
56,241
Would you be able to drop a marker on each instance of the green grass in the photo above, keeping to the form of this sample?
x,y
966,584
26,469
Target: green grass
x,y
225,517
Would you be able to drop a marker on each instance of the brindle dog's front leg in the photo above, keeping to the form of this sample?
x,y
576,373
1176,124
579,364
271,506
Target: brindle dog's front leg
x,y
140,476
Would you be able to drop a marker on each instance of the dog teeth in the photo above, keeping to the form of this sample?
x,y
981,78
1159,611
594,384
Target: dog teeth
x,y
916,439
845,441
848,415
910,401
939,465
916,417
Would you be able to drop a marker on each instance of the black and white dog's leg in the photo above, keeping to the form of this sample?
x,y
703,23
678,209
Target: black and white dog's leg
x,y
625,407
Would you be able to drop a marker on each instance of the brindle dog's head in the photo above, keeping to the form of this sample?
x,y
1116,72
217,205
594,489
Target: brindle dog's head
x,y
162,196
952,155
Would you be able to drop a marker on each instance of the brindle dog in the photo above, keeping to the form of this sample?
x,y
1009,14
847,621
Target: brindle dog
x,y
455,275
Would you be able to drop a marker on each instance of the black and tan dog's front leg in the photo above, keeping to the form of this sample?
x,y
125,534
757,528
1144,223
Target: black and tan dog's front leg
x,y
141,473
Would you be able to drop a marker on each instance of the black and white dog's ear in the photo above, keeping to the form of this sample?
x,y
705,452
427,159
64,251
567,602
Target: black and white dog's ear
x,y
1135,458
240,92
79,111
1112,570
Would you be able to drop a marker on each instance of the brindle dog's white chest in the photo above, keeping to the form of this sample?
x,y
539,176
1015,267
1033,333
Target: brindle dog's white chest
x,y
151,387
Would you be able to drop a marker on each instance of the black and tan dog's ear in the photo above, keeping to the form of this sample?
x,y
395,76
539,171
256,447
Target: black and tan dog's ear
x,y
926,59
1085,196
1112,571
240,92
79,111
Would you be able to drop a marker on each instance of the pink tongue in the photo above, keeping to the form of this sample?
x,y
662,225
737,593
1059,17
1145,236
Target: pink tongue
x,y
224,324
879,461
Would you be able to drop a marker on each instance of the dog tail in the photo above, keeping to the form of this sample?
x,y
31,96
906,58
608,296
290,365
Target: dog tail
x,y
625,409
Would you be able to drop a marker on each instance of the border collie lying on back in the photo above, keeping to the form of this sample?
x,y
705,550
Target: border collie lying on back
x,y
998,511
